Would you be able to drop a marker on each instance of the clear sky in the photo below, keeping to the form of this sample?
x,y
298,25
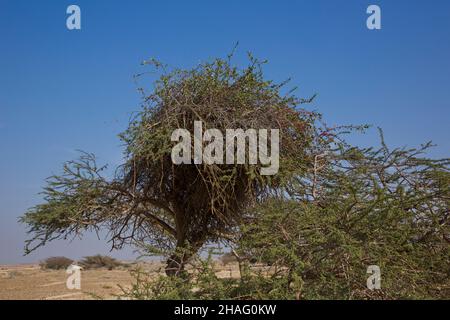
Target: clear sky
x,y
64,90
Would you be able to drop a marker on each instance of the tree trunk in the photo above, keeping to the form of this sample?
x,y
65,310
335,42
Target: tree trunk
x,y
175,265
187,246
177,261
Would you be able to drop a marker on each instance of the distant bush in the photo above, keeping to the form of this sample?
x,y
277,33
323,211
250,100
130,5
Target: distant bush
x,y
228,258
56,263
13,274
99,261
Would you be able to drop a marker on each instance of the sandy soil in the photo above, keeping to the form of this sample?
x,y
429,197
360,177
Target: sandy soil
x,y
30,282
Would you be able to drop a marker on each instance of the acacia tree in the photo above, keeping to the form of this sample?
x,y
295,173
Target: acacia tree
x,y
178,208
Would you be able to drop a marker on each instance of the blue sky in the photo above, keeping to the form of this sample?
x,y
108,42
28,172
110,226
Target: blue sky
x,y
64,90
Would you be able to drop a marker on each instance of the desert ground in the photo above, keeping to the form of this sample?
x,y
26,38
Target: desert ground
x,y
30,282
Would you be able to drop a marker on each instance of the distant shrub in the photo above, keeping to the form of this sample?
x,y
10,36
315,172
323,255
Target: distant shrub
x,y
13,274
56,263
228,258
99,261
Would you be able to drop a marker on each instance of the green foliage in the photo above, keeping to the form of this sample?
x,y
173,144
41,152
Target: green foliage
x,y
99,261
56,263
201,282
362,207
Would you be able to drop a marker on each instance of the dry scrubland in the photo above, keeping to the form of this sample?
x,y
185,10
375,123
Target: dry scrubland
x,y
31,282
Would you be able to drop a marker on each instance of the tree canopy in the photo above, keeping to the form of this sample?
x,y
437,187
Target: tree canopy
x,y
152,201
